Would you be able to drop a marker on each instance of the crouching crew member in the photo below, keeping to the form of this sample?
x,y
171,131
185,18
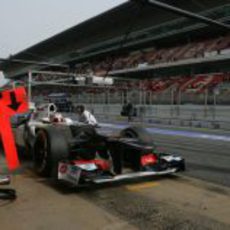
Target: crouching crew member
x,y
85,116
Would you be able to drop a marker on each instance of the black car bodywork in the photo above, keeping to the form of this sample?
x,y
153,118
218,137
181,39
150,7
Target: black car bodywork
x,y
82,154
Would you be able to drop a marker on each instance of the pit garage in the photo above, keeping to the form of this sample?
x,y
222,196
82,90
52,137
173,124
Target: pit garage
x,y
157,156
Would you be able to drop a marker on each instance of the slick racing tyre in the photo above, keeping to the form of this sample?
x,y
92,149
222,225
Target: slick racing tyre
x,y
139,133
50,147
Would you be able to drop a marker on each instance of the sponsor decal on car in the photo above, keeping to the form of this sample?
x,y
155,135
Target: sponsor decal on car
x,y
69,173
63,168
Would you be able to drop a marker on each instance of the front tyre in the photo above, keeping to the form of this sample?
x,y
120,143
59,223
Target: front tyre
x,y
49,148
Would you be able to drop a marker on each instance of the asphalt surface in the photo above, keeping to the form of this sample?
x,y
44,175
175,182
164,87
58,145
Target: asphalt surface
x,y
208,160
195,199
169,203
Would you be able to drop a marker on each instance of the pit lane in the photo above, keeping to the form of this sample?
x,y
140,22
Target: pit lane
x,y
206,151
177,202
163,203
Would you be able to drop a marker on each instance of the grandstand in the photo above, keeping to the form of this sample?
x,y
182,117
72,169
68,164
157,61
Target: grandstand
x,y
174,69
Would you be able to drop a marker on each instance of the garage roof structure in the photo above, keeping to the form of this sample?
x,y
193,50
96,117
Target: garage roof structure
x,y
73,44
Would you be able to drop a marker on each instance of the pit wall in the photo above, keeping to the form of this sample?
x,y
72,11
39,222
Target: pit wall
x,y
215,117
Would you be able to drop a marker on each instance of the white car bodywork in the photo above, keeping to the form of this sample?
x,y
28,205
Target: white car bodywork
x,y
40,117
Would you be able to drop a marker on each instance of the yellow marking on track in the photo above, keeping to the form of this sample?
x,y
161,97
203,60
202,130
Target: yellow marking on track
x,y
144,185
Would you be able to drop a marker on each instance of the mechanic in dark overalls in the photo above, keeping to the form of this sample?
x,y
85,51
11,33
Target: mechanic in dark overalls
x,y
130,111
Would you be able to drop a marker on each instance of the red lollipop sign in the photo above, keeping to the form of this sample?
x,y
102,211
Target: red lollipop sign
x,y
11,102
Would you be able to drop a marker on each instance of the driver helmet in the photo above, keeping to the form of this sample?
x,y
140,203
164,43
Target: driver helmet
x,y
56,117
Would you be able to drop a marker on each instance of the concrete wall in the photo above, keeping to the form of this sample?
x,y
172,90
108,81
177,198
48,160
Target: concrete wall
x,y
183,115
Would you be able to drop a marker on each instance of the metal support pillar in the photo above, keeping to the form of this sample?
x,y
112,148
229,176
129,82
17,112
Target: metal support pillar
x,y
29,86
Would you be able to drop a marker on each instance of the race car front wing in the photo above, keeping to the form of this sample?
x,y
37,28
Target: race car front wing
x,y
81,173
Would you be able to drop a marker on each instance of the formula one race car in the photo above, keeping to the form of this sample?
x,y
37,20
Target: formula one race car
x,y
81,154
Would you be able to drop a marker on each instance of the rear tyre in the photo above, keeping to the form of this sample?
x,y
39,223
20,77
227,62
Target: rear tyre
x,y
49,148
139,133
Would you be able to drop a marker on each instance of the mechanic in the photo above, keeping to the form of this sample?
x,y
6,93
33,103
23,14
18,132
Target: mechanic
x,y
85,116
130,110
